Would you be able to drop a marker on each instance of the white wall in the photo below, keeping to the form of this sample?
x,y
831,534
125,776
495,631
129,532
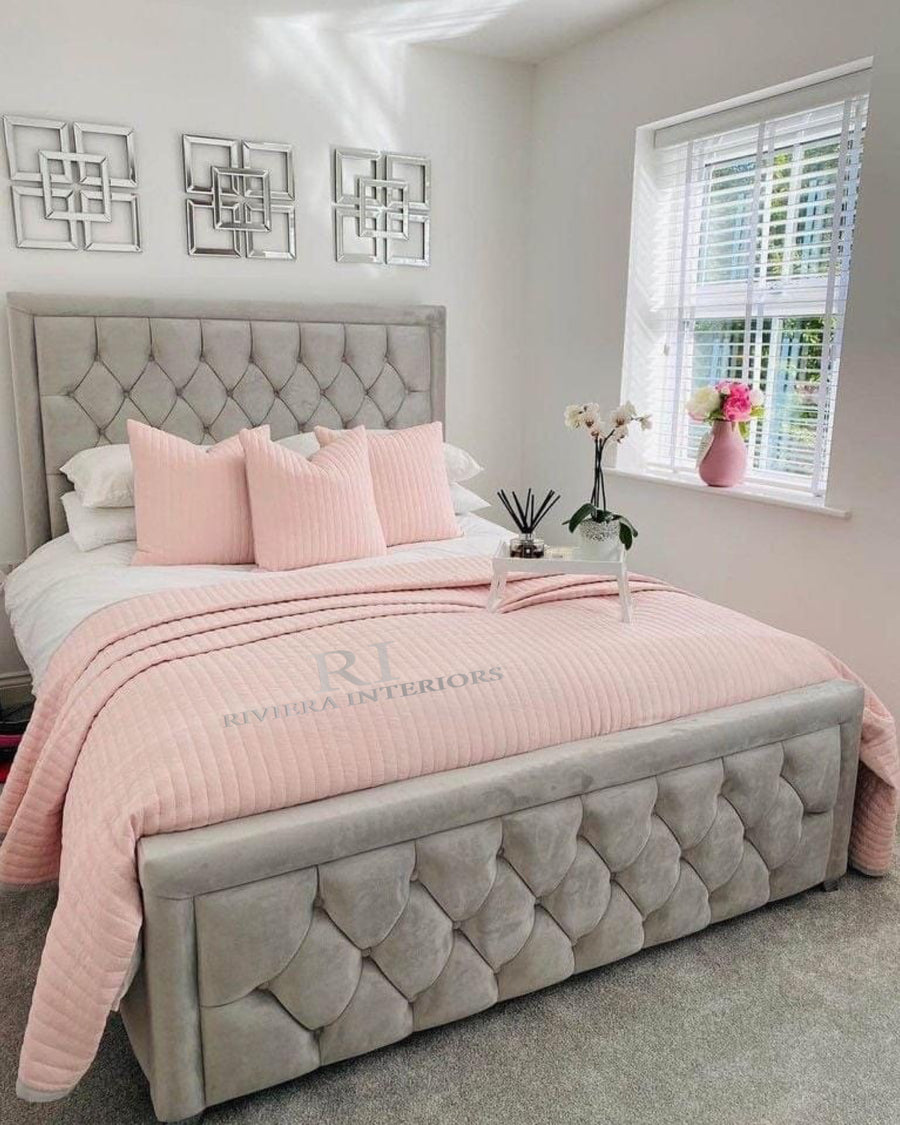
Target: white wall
x,y
835,581
173,68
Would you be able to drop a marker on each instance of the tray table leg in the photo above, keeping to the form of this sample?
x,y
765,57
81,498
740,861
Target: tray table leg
x,y
625,595
498,587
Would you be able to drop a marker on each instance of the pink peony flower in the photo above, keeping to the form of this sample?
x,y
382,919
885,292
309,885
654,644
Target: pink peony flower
x,y
737,405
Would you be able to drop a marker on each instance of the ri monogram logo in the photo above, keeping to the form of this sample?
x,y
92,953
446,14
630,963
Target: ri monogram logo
x,y
349,660
350,678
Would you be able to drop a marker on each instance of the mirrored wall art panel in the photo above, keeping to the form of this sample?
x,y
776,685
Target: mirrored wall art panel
x,y
73,185
240,198
382,207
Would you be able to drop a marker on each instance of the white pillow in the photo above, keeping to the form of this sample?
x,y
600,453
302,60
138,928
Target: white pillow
x,y
103,476
95,527
465,501
305,444
460,464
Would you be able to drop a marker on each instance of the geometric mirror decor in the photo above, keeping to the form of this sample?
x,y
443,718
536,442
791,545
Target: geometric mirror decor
x,y
72,185
240,198
382,207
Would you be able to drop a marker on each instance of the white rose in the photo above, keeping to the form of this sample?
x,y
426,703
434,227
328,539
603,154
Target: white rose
x,y
703,402
757,398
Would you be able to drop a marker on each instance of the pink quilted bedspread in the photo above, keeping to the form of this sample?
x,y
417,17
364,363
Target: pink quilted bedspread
x,y
190,707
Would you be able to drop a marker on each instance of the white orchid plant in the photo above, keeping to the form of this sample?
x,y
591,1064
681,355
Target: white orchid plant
x,y
604,429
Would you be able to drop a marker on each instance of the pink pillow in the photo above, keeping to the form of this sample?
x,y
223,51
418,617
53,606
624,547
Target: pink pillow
x,y
409,475
311,510
190,501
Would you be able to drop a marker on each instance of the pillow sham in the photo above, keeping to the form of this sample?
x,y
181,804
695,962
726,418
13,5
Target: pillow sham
x,y
460,464
305,443
311,510
465,501
191,502
409,479
95,527
103,476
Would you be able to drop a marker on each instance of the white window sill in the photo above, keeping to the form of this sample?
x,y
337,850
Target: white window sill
x,y
756,493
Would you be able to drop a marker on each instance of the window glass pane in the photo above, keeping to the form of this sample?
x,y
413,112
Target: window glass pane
x,y
786,442
717,351
785,362
779,205
811,247
727,231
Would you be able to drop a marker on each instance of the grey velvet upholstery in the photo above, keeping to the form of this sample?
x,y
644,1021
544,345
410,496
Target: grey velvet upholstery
x,y
83,366
342,926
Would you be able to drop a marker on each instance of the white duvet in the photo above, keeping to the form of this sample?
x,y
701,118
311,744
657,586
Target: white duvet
x,y
59,586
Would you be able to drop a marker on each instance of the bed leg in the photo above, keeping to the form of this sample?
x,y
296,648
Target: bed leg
x,y
830,884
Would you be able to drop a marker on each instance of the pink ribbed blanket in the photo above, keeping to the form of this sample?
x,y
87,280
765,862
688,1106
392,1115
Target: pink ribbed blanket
x,y
195,706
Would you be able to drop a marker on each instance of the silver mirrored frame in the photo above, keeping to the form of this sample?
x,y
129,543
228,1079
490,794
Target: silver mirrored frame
x,y
287,254
53,186
234,251
20,192
226,197
357,205
81,129
132,247
57,186
286,151
10,123
213,196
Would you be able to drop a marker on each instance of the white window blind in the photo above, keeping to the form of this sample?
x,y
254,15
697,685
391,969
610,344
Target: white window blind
x,y
740,267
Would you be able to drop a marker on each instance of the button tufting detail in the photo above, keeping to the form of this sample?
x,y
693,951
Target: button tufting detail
x,y
417,934
227,375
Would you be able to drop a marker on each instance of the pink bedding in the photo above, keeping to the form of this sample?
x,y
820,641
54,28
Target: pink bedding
x,y
190,707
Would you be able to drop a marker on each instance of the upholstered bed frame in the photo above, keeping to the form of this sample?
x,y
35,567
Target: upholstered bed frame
x,y
278,943
82,366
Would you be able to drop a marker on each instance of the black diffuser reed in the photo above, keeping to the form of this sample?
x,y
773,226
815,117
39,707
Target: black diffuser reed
x,y
526,517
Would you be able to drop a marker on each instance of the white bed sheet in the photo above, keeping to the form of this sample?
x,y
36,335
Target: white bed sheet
x,y
55,589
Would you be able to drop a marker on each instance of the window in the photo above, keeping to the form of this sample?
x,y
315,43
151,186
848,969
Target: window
x,y
740,266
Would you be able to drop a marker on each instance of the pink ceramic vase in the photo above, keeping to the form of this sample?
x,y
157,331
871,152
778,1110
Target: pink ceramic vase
x,y
725,462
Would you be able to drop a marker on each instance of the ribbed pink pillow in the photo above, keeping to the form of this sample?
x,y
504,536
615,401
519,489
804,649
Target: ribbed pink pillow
x,y
311,510
190,501
409,475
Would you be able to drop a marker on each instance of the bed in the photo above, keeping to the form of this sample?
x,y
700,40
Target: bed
x,y
564,811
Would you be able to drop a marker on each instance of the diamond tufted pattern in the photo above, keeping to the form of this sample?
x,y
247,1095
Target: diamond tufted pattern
x,y
205,379
317,965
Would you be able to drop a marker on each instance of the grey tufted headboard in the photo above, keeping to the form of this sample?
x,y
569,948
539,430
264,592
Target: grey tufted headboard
x,y
83,365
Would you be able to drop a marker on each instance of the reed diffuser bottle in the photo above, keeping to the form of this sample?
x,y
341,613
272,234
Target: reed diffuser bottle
x,y
526,518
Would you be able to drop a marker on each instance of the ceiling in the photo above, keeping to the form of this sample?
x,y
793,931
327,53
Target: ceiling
x,y
525,30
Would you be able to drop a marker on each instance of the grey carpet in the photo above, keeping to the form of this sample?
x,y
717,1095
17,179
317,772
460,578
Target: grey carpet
x,y
784,1017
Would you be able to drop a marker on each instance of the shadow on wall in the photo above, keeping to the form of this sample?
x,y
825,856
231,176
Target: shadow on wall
x,y
324,47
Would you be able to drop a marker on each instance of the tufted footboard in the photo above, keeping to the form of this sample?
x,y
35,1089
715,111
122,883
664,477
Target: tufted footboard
x,y
279,943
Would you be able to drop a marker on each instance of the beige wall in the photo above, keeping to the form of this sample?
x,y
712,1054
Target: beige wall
x,y
835,581
173,68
